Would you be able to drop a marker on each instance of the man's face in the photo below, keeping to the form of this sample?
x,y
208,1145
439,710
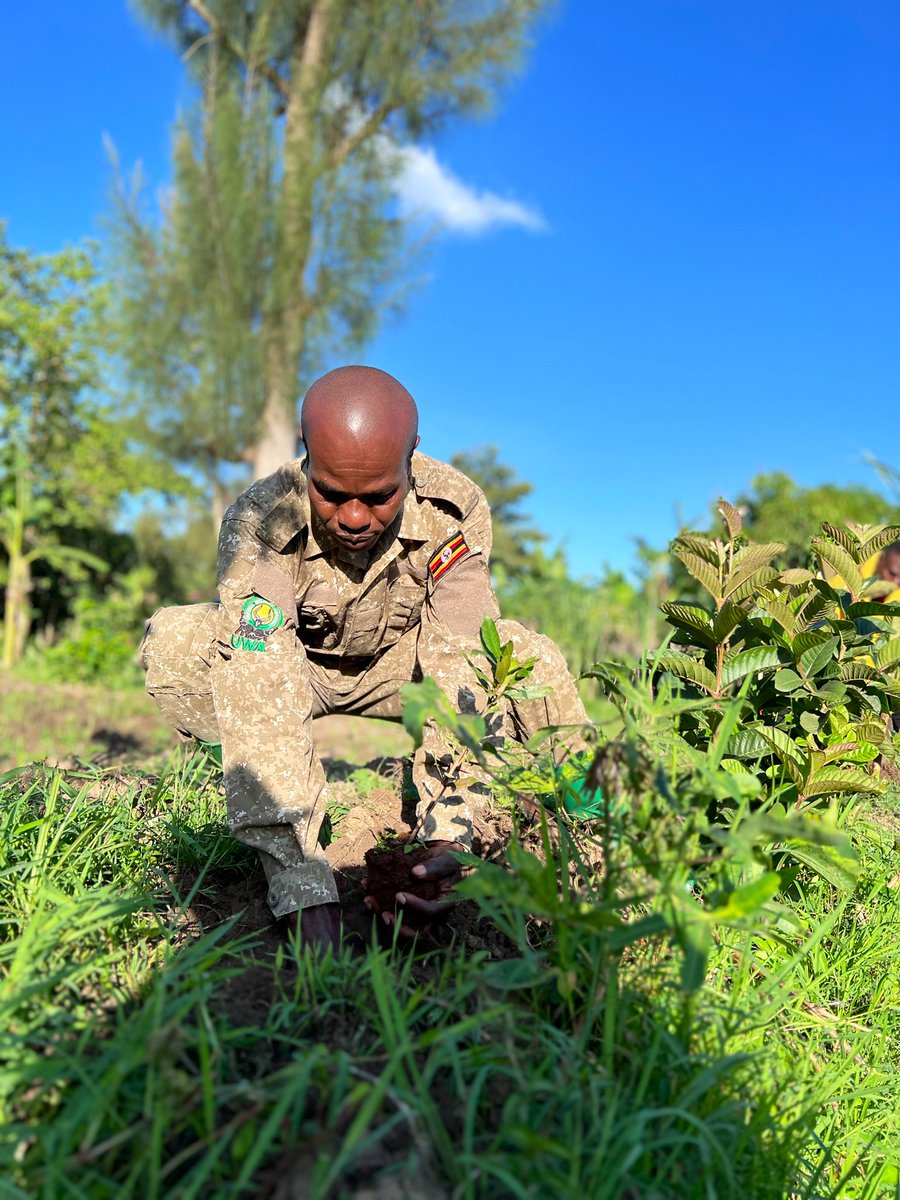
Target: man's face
x,y
356,489
889,567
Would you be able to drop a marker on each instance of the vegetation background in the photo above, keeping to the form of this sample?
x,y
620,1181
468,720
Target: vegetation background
x,y
693,993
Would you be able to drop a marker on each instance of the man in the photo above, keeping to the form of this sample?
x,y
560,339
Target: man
x,y
341,577
887,568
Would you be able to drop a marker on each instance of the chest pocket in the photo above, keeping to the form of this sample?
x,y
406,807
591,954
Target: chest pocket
x,y
320,617
405,599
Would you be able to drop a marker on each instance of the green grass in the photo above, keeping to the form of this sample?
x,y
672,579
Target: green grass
x,y
138,1059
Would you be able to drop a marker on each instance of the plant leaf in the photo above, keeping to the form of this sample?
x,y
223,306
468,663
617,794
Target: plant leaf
x,y
889,653
838,558
734,522
686,668
727,619
831,779
707,548
758,658
490,639
840,870
754,584
844,538
795,576
872,608
787,680
747,743
691,618
876,542
705,574
750,560
814,657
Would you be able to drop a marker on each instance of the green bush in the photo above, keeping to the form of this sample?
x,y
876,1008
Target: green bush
x,y
99,644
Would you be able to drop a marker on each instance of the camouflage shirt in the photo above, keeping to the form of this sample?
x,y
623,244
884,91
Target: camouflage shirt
x,y
288,591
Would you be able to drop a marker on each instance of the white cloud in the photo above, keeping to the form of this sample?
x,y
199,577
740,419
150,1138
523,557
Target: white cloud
x,y
426,188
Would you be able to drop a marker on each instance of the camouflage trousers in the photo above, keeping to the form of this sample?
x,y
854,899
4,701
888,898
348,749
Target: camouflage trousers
x,y
180,656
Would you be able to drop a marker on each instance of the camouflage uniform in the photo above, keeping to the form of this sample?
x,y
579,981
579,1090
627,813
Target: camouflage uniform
x,y
305,627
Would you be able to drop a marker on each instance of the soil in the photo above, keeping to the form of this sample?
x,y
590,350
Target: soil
x,y
389,870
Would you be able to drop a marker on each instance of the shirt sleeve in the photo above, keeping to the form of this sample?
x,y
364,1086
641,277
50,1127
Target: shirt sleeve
x,y
459,593
274,783
458,597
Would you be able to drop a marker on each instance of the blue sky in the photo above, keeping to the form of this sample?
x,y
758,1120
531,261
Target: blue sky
x,y
685,266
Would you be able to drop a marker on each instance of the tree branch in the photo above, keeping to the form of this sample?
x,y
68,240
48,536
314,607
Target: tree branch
x,y
215,26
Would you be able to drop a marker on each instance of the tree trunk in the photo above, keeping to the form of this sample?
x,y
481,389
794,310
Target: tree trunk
x,y
277,441
17,611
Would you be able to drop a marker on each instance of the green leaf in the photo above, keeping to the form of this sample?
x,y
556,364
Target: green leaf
x,y
686,668
727,619
796,576
816,655
696,938
748,899
423,702
490,639
503,663
810,722
838,558
858,670
747,743
828,780
787,680
748,562
705,574
788,752
889,653
754,584
734,522
839,869
707,548
844,538
872,608
783,614
691,618
758,658
876,542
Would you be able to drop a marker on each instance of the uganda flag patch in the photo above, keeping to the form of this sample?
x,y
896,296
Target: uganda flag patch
x,y
451,552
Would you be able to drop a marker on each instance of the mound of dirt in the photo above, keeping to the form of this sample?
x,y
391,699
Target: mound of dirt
x,y
389,870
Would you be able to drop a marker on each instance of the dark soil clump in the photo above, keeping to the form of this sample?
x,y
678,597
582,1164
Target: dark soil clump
x,y
389,870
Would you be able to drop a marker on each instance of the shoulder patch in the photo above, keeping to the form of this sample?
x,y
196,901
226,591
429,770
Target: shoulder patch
x,y
447,556
259,619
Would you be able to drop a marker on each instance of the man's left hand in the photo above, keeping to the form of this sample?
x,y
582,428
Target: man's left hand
x,y
439,866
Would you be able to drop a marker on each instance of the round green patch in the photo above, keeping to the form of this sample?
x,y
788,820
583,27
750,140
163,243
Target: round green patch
x,y
260,614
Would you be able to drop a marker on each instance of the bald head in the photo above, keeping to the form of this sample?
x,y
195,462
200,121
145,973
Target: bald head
x,y
361,405
360,427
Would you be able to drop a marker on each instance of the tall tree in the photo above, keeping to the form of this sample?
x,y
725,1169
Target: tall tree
x,y
64,464
279,243
777,509
516,550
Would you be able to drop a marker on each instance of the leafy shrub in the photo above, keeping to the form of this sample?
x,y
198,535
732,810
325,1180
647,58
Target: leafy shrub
x,y
100,643
811,665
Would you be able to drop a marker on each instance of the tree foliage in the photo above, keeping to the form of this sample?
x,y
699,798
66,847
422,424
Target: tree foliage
x,y
64,463
776,509
279,244
516,542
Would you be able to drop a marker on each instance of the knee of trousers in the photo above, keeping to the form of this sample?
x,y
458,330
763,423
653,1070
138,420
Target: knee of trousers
x,y
530,644
564,706
176,653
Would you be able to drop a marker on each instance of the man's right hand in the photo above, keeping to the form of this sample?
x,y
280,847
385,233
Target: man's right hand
x,y
320,927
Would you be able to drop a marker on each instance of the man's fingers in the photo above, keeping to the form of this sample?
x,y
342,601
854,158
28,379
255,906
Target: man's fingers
x,y
426,908
435,868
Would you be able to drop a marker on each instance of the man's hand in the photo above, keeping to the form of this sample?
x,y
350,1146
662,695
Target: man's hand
x,y
320,927
441,867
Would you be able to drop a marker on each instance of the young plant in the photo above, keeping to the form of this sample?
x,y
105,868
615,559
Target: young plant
x,y
812,663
